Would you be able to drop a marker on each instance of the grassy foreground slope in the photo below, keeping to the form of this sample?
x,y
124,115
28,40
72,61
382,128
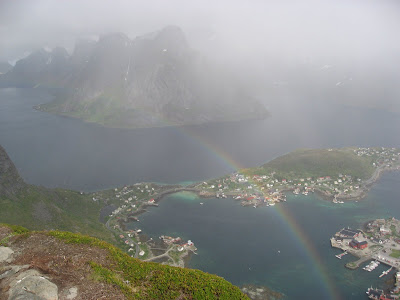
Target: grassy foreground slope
x,y
316,163
99,269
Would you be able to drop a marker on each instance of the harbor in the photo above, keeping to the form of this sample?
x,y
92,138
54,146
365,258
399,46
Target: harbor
x,y
377,244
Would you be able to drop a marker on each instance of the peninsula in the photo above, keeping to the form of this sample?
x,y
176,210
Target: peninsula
x,y
335,174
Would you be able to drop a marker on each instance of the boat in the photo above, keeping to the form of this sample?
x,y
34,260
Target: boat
x,y
201,203
339,256
371,266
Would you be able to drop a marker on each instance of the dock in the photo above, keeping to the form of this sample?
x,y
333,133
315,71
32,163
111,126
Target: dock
x,y
386,272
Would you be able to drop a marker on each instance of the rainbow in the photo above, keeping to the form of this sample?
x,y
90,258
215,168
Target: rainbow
x,y
285,216
302,239
288,220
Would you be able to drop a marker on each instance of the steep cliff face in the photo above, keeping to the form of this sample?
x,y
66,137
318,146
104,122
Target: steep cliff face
x,y
10,181
153,80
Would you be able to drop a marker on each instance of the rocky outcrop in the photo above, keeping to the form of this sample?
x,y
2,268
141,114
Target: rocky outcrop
x,y
31,284
29,269
5,254
61,265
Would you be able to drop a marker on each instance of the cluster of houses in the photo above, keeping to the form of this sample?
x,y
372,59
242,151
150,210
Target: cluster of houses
x,y
382,231
270,187
128,197
354,238
171,240
348,239
381,155
340,185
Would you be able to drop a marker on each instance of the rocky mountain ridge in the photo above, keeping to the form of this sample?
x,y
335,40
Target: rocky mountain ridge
x,y
152,80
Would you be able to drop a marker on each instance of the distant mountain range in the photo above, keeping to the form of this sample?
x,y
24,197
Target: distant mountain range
x,y
153,80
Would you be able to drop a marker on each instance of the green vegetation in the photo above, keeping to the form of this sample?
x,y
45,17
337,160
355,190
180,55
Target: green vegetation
x,y
16,229
351,265
373,247
38,208
146,280
108,109
318,163
395,253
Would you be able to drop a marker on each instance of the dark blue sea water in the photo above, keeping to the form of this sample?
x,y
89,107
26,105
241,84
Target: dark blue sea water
x,y
285,247
54,151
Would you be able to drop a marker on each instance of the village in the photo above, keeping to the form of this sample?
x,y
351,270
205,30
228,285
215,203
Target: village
x,y
268,189
378,243
124,205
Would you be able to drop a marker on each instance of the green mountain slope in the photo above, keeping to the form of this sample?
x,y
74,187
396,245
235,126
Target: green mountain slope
x,y
40,208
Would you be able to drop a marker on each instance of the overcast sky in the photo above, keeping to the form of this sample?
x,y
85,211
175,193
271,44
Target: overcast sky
x,y
239,29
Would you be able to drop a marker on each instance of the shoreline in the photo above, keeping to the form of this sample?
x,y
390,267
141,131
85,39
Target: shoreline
x,y
222,188
230,194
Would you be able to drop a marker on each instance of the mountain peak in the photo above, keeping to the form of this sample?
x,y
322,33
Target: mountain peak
x,y
171,36
113,37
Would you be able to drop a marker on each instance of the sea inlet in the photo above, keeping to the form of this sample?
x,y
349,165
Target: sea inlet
x,y
285,247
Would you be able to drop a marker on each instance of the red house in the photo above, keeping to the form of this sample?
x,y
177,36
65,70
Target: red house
x,y
358,245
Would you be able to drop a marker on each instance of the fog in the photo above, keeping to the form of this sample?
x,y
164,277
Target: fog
x,y
278,48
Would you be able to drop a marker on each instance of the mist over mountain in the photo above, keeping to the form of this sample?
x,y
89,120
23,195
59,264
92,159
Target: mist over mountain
x,y
5,67
153,80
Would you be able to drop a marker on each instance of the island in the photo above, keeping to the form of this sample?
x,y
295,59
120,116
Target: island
x,y
153,80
